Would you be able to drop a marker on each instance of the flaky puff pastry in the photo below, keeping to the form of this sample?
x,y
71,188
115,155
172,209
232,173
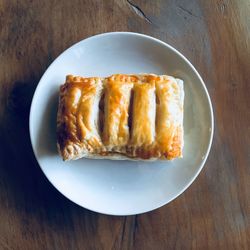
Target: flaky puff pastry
x,y
134,117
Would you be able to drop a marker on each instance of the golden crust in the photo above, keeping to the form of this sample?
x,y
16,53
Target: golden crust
x,y
77,129
169,118
119,117
117,100
143,122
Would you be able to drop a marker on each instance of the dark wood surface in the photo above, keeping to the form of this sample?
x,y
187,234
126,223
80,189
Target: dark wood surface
x,y
214,213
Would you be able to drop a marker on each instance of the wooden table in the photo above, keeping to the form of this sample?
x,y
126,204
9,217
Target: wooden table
x,y
214,213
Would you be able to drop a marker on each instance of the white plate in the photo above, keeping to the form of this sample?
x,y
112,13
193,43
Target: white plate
x,y
121,187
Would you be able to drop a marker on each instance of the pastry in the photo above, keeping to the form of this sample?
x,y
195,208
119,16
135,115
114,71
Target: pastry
x,y
133,117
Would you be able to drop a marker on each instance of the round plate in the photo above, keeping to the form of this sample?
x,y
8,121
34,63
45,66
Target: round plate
x,y
121,187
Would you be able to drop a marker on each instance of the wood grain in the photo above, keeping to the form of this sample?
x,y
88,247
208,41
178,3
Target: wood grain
x,y
214,213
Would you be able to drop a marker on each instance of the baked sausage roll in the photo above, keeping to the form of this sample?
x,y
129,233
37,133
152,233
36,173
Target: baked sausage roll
x,y
133,117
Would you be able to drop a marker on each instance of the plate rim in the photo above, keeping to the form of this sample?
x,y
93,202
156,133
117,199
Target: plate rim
x,y
31,114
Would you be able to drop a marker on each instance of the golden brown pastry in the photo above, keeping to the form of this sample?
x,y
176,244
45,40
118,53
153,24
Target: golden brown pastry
x,y
117,99
121,117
